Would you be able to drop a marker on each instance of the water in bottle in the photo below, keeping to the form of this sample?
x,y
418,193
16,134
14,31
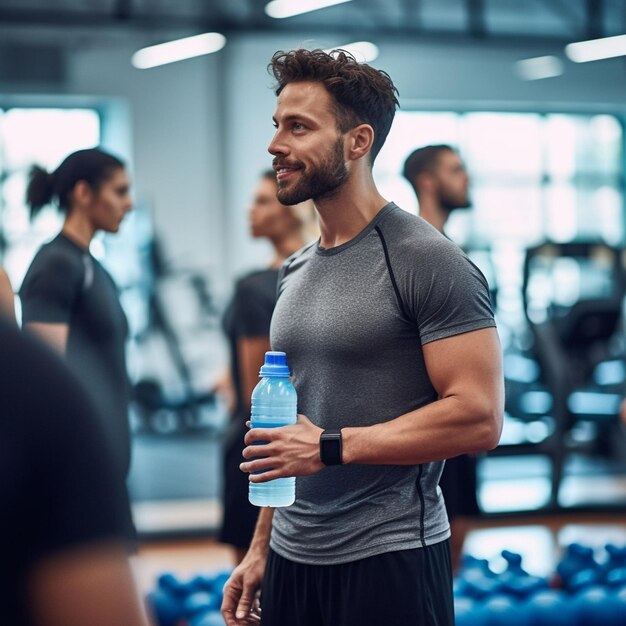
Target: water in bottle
x,y
274,403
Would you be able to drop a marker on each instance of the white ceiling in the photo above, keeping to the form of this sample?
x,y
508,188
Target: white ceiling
x,y
565,20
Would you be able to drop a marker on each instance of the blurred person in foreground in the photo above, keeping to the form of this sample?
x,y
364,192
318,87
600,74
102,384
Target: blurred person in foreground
x,y
63,530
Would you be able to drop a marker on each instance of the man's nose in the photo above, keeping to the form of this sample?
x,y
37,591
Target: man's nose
x,y
277,146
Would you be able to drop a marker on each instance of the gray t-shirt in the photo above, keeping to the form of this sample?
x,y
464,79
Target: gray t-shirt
x,y
352,320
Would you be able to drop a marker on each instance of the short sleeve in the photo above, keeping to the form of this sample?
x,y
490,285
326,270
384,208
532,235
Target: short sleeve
x,y
52,286
252,309
451,295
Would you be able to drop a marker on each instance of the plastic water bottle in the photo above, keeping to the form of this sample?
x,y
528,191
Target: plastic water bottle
x,y
274,403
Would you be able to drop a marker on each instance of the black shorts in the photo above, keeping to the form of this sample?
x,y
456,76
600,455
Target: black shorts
x,y
403,588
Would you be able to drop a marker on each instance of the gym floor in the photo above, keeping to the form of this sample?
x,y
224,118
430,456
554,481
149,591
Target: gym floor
x,y
539,540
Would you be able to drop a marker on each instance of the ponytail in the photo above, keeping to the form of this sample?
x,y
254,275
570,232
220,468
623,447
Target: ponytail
x,y
40,189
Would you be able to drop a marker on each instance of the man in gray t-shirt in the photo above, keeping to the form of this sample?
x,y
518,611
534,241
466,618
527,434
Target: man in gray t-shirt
x,y
391,340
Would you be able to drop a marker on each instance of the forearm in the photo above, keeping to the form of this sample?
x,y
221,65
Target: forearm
x,y
241,592
261,539
440,430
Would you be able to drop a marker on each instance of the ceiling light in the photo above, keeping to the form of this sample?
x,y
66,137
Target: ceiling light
x,y
362,51
596,49
288,8
539,67
178,50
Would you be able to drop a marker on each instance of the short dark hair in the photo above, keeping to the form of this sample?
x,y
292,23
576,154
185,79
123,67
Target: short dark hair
x,y
362,94
423,160
93,165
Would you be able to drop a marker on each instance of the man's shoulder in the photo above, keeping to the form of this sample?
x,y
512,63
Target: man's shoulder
x,y
298,259
408,234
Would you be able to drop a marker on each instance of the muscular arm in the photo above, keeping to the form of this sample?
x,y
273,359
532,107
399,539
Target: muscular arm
x,y
55,335
466,371
91,585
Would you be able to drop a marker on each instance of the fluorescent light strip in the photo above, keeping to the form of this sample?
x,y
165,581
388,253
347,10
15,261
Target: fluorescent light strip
x,y
178,50
280,9
362,51
538,68
596,49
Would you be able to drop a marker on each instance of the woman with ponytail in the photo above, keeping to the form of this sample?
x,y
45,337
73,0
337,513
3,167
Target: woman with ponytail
x,y
68,298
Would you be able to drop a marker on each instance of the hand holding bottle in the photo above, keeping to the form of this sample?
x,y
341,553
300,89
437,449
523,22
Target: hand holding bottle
x,y
282,452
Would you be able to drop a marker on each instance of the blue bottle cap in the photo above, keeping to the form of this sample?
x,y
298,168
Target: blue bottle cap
x,y
275,365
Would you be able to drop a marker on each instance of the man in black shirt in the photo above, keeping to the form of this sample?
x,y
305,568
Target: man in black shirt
x,y
65,508
441,184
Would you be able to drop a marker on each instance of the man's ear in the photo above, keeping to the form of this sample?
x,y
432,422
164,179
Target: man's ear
x,y
359,141
425,182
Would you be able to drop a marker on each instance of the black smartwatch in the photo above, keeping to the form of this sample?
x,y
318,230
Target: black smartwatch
x,y
331,447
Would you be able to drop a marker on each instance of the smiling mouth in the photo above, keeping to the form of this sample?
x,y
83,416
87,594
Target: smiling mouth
x,y
285,172
284,167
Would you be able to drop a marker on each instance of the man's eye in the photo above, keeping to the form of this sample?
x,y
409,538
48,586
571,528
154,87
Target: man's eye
x,y
298,126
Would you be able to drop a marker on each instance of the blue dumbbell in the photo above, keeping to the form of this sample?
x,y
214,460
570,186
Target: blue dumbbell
x,y
201,602
476,579
214,618
551,607
469,612
597,606
616,560
578,568
503,610
172,584
516,580
168,608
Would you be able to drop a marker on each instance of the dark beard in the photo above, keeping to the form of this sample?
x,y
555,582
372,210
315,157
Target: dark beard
x,y
322,183
449,205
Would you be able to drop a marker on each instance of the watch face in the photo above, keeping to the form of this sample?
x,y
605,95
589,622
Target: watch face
x,y
331,448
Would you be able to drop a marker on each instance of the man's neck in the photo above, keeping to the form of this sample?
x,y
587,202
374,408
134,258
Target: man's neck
x,y
349,211
433,213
